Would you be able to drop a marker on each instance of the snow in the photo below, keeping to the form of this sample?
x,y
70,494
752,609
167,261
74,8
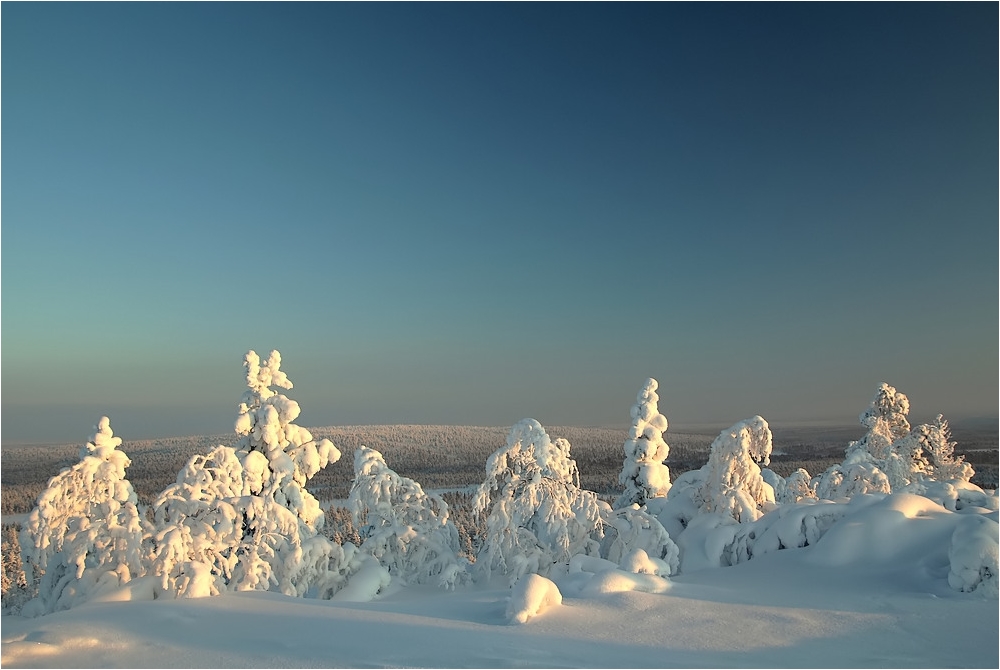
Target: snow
x,y
531,595
778,610
732,566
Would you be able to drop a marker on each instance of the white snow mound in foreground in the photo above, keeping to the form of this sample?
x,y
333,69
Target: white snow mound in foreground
x,y
531,595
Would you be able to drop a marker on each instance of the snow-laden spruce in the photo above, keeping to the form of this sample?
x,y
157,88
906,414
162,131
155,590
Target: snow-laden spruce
x,y
538,514
84,537
406,529
241,519
643,474
892,456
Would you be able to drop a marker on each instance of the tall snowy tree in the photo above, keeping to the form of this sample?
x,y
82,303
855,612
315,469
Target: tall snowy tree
x,y
85,535
643,474
733,483
242,519
538,515
407,530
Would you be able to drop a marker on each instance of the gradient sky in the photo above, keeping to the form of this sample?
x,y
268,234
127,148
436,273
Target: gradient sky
x,y
477,213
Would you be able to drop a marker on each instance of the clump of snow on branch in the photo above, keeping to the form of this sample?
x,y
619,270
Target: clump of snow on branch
x,y
530,596
538,515
407,530
84,537
643,474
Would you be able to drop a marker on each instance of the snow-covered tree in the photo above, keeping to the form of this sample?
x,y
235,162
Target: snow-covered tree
x,y
407,530
643,474
798,486
885,419
291,456
938,452
241,519
84,537
733,483
538,515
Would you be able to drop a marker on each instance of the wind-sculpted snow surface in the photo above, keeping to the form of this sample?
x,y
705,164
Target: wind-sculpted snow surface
x,y
85,534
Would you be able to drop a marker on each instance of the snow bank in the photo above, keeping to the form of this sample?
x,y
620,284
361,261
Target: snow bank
x,y
531,595
974,556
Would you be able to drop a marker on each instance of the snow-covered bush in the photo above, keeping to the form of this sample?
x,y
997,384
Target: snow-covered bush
x,y
733,483
798,486
974,556
633,529
538,515
643,474
407,530
84,537
846,480
241,519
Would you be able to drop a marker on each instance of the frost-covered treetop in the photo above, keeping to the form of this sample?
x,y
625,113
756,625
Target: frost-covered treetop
x,y
102,442
260,378
750,437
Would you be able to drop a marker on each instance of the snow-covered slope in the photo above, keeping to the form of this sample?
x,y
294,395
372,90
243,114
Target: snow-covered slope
x,y
789,608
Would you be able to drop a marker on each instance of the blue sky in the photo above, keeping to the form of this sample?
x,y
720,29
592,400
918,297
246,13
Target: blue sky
x,y
476,213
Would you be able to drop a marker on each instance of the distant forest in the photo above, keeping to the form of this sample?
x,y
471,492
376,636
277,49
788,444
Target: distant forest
x,y
453,457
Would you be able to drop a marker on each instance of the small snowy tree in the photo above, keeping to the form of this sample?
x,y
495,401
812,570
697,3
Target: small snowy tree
x,y
538,515
871,464
733,483
886,422
407,530
937,448
643,474
85,535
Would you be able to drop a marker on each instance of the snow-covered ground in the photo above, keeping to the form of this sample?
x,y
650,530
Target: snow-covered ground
x,y
886,603
776,612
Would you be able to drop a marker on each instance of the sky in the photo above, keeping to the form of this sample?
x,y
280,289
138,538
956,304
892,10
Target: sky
x,y
473,213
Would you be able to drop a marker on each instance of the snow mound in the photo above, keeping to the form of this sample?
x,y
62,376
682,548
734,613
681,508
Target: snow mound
x,y
974,556
530,596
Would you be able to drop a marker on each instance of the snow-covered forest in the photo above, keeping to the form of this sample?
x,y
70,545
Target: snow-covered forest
x,y
896,513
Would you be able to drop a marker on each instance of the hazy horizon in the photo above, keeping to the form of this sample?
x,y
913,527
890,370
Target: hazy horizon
x,y
470,214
